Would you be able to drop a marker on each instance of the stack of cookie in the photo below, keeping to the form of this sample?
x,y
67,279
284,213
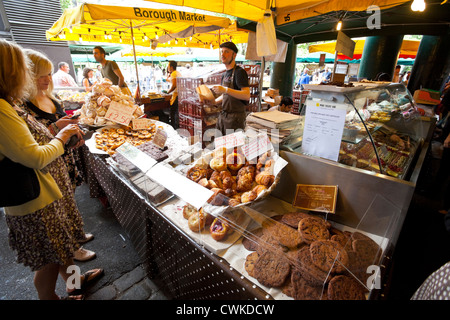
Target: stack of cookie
x,y
308,259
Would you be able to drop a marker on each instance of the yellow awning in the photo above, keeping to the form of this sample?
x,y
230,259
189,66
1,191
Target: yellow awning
x,y
118,24
285,10
408,49
147,52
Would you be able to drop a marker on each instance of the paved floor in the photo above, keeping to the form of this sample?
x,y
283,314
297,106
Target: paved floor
x,y
124,276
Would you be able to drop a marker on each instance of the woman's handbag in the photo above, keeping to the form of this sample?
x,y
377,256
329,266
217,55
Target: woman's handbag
x,y
19,184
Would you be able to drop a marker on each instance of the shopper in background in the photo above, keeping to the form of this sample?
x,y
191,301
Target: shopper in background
x,y
110,70
172,75
42,231
234,91
62,78
88,79
305,78
396,78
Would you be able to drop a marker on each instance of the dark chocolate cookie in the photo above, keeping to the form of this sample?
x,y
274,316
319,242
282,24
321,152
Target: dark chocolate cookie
x,y
303,290
250,242
345,288
250,263
285,235
271,269
311,230
309,271
329,256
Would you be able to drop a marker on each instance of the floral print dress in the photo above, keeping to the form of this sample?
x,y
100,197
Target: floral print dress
x,y
51,234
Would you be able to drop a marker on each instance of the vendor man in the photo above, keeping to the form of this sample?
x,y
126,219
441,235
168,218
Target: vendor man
x,y
234,92
110,70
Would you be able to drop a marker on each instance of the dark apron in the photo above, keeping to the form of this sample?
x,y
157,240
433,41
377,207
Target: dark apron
x,y
233,112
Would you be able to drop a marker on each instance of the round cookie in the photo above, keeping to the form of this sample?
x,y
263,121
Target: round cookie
x,y
284,234
313,275
311,229
302,290
251,243
271,269
250,263
345,288
368,251
292,219
329,255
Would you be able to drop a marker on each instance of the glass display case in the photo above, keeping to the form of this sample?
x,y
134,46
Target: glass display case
x,y
378,125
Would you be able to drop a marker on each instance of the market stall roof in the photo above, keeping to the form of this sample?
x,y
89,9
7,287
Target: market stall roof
x,y
210,39
396,20
149,52
285,10
314,57
408,49
122,24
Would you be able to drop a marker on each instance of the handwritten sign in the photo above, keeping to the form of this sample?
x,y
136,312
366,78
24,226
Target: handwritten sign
x,y
120,113
316,197
256,146
141,124
232,140
160,138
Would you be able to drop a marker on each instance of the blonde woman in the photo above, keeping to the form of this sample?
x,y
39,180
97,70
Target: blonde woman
x,y
41,230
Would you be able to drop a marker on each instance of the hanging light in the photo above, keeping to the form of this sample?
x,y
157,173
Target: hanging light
x,y
339,25
156,36
418,5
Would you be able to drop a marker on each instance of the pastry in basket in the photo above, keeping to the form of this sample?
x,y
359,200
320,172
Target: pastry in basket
x,y
235,161
218,164
235,200
265,178
248,196
245,178
218,198
263,159
259,188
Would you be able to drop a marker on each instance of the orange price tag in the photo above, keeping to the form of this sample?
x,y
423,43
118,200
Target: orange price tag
x,y
141,124
120,113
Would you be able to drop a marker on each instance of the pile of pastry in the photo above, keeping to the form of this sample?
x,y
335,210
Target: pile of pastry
x,y
232,178
219,228
98,100
109,139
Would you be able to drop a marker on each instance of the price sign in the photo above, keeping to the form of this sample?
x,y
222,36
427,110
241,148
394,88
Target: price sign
x,y
231,140
160,138
120,113
316,197
141,124
256,146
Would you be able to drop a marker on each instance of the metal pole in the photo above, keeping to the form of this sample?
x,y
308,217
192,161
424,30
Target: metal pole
x,y
135,63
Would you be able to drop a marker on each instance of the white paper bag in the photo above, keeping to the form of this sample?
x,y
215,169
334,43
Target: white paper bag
x,y
266,40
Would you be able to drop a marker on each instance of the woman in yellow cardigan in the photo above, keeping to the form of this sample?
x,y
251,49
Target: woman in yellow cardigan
x,y
41,231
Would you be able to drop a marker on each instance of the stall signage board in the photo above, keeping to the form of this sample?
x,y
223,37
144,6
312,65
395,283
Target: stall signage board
x,y
141,160
232,140
120,113
186,189
345,45
316,197
324,125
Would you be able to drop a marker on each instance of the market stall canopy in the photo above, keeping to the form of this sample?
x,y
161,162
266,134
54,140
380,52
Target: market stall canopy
x,y
314,57
285,10
210,39
149,52
408,50
122,24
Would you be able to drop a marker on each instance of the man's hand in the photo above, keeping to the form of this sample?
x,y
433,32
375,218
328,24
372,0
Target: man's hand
x,y
219,90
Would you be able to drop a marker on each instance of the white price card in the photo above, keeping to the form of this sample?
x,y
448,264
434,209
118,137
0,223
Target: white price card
x,y
120,113
232,140
324,125
188,190
256,146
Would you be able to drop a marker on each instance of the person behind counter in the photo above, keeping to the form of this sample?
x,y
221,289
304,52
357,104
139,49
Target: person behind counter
x,y
285,105
110,69
234,91
88,75
172,75
41,229
62,78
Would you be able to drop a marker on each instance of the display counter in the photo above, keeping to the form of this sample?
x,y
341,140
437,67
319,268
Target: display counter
x,y
194,265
